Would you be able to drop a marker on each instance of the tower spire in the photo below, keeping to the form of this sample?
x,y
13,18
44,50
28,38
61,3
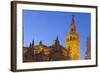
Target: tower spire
x,y
40,42
57,38
33,45
30,45
57,41
33,42
72,25
73,22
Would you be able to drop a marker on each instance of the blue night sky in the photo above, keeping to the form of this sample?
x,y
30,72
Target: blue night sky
x,y
45,26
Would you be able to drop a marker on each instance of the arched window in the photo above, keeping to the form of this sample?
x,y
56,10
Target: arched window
x,y
70,38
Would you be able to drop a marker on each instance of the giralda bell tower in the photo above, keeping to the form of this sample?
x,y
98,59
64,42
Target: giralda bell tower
x,y
73,42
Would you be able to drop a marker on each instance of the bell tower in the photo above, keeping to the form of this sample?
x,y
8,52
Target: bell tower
x,y
72,41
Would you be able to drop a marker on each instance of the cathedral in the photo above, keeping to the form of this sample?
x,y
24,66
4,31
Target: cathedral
x,y
55,52
41,52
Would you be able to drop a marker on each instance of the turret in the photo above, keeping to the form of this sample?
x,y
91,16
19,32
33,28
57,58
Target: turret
x,y
56,42
40,43
33,45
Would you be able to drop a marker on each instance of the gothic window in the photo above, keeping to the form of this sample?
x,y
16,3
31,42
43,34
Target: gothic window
x,y
70,38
